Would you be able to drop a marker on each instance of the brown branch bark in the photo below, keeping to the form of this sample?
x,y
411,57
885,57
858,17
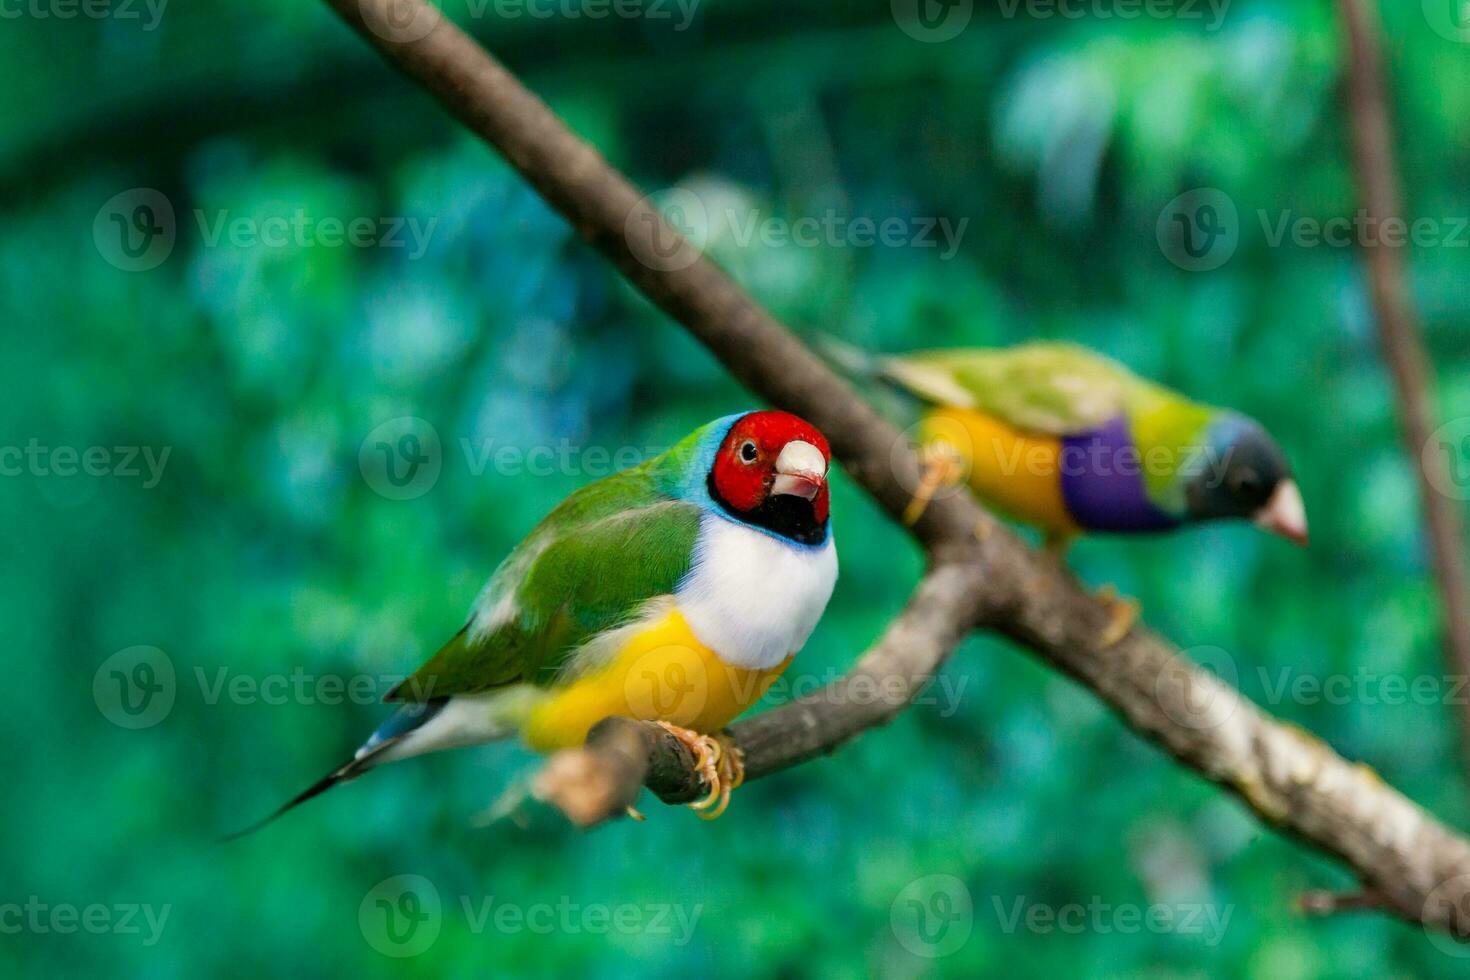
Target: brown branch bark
x,y
1400,335
980,575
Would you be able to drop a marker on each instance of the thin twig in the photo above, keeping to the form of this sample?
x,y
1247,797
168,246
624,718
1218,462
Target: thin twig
x,y
1332,903
1400,335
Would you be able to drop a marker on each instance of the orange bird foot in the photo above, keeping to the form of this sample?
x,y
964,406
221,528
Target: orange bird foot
x,y
941,469
718,761
1122,614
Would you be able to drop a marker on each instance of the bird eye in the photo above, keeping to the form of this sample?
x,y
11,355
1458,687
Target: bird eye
x,y
748,452
1246,483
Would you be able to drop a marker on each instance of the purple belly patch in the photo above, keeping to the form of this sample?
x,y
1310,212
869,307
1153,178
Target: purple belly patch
x,y
1103,483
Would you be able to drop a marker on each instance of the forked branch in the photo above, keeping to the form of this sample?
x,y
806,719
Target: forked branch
x,y
981,575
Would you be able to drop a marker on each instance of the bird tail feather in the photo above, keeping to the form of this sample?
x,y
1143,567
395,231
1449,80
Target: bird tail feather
x,y
884,379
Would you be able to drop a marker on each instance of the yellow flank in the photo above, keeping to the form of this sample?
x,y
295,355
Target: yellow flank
x,y
1016,472
662,674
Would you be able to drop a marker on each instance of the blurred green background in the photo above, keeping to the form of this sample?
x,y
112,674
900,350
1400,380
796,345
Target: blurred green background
x,y
275,591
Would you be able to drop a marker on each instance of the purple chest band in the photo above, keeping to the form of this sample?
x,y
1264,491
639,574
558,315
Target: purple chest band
x,y
1103,483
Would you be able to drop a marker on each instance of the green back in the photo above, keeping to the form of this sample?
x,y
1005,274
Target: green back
x,y
587,568
1051,388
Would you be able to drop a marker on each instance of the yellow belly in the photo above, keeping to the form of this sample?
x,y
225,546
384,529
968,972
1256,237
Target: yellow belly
x,y
1016,472
661,674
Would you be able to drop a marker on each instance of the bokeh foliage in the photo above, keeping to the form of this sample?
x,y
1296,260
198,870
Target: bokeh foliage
x,y
263,549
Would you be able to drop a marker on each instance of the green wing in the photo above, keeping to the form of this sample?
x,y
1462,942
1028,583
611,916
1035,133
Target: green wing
x,y
1054,388
587,568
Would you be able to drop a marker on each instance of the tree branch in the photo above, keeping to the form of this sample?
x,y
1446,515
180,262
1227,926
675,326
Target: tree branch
x,y
1399,333
981,574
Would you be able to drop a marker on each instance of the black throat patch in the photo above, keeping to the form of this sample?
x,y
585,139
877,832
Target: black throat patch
x,y
785,515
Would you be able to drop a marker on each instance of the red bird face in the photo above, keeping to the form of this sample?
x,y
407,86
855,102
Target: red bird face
x,y
771,470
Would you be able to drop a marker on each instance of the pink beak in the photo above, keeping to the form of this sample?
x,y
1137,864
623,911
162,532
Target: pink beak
x,y
801,470
1284,513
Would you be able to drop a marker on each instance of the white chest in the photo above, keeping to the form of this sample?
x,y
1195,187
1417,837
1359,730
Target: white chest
x,y
753,598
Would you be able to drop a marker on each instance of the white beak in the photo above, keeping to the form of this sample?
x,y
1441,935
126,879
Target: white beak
x,y
1284,513
801,469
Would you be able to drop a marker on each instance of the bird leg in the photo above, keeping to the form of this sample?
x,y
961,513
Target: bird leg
x,y
1122,614
719,763
730,769
1122,611
941,469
